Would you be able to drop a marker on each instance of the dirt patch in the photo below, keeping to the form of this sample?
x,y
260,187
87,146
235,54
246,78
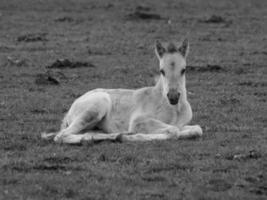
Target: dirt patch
x,y
65,63
64,19
39,111
143,13
33,37
55,167
208,68
50,77
214,19
46,79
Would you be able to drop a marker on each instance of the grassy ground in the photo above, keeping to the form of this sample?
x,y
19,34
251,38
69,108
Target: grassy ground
x,y
229,101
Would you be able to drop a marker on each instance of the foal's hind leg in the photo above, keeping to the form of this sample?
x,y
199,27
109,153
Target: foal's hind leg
x,y
51,135
70,134
86,113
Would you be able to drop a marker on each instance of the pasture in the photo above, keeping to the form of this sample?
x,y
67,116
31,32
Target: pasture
x,y
52,51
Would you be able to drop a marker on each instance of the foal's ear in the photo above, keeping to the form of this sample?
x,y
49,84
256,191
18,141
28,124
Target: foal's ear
x,y
184,48
159,49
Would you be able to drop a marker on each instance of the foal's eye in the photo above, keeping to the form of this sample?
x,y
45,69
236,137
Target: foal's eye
x,y
183,71
162,72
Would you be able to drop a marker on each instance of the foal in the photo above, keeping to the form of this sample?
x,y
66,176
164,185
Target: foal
x,y
150,113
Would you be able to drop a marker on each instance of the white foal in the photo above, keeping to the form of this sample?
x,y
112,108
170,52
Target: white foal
x,y
150,113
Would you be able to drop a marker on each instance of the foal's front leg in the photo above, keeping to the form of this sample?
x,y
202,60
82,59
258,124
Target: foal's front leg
x,y
148,129
191,131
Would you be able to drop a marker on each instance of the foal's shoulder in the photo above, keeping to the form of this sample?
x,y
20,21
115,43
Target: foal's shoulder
x,y
143,93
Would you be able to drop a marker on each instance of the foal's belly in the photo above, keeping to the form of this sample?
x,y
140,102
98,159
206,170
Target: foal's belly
x,y
119,122
121,109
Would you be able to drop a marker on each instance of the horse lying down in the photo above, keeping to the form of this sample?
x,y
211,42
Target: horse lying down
x,y
160,112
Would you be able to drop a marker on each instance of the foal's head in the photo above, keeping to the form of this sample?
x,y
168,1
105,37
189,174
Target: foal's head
x,y
172,59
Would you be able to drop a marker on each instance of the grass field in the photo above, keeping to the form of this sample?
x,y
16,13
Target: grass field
x,y
110,44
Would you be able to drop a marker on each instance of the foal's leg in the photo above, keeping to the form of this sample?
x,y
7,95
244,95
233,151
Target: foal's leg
x,y
71,134
86,113
148,129
142,137
88,119
190,131
50,136
91,137
97,137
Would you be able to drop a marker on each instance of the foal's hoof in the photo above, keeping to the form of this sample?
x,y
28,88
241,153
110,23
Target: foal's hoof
x,y
198,131
58,140
119,138
47,136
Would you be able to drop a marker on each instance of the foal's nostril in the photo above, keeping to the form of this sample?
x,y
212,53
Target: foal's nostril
x,y
173,97
178,95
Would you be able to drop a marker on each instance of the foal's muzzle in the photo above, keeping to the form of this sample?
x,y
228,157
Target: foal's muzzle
x,y
173,96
